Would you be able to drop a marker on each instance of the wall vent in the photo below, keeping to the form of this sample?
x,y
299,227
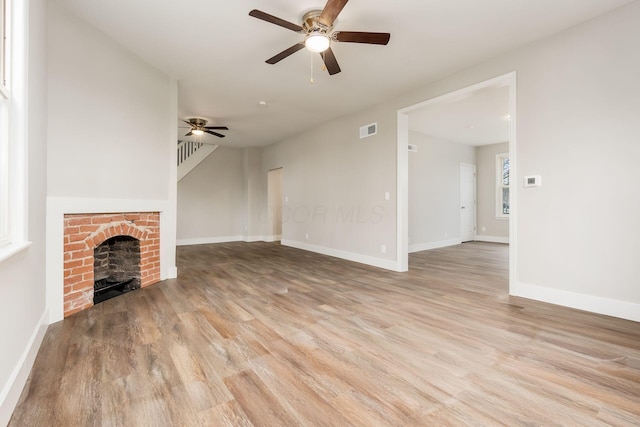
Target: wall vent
x,y
413,148
368,130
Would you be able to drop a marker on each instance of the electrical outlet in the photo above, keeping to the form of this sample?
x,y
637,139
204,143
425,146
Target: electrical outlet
x,y
484,229
306,236
383,249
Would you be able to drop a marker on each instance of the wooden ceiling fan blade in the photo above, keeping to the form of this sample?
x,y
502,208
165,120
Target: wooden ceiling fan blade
x,y
361,37
210,132
217,127
189,134
331,11
285,53
330,62
275,20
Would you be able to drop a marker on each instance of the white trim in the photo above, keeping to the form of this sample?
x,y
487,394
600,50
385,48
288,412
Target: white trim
x,y
208,240
513,191
402,169
491,239
386,264
12,249
57,207
402,191
433,245
78,205
16,153
272,238
12,390
251,239
591,303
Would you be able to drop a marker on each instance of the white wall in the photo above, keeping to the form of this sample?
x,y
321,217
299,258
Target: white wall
x,y
108,116
495,229
111,138
577,236
211,200
577,107
335,183
434,191
22,277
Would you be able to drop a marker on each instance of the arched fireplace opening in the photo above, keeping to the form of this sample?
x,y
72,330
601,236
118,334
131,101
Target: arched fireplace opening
x,y
116,267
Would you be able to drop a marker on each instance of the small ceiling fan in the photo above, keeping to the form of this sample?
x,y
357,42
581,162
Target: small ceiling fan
x,y
198,127
317,27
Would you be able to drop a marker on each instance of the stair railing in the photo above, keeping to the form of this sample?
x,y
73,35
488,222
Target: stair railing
x,y
187,149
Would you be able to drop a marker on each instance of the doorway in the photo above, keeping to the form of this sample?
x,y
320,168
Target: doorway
x,y
467,202
403,141
274,195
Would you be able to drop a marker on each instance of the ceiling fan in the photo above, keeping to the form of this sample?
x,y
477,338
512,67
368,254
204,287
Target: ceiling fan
x,y
198,127
317,26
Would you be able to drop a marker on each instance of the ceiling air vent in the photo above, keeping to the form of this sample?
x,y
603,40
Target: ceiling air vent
x,y
368,130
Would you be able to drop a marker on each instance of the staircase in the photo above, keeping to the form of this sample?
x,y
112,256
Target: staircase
x,y
190,154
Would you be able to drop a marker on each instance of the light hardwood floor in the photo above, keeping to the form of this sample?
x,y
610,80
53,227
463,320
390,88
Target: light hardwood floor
x,y
264,335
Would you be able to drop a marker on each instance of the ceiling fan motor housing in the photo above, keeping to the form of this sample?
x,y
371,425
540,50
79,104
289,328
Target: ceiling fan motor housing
x,y
198,123
311,24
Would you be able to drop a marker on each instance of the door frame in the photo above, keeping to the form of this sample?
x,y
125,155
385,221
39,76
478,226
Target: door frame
x,y
274,205
402,173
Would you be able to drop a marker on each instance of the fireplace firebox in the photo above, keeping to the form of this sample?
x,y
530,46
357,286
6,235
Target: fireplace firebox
x,y
116,267
132,248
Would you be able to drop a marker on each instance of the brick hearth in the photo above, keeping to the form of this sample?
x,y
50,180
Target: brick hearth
x,y
84,232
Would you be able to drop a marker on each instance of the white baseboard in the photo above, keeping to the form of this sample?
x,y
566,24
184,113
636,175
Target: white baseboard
x,y
173,273
251,239
227,239
594,304
349,256
208,240
433,245
492,239
13,388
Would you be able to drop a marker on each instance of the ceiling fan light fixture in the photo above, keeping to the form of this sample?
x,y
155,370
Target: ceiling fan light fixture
x,y
317,42
197,132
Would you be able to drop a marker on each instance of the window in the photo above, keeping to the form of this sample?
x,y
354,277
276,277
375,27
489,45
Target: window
x,y
502,179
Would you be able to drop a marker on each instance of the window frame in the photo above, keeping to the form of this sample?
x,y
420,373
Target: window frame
x,y
500,186
5,106
13,135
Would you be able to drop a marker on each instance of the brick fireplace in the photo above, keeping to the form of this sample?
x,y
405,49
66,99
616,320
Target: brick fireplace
x,y
83,233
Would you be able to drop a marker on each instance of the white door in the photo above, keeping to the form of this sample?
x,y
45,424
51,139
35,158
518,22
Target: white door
x,y
274,195
467,202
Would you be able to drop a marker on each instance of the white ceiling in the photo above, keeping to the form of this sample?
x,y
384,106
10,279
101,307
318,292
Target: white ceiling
x,y
217,52
475,118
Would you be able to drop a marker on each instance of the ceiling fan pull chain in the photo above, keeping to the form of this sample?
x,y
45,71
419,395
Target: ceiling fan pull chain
x,y
311,79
